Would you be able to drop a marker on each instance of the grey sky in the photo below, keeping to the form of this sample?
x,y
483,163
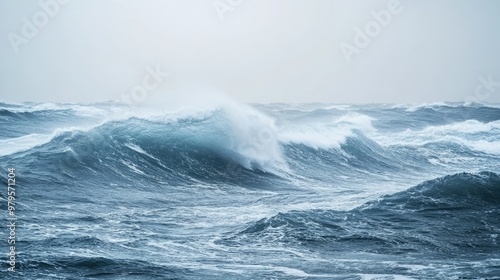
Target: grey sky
x,y
253,51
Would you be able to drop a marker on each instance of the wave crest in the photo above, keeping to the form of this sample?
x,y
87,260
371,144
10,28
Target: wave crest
x,y
423,219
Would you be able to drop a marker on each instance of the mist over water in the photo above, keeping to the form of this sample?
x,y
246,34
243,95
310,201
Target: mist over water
x,y
257,51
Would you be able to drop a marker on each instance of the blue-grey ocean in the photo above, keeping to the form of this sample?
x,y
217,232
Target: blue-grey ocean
x,y
276,191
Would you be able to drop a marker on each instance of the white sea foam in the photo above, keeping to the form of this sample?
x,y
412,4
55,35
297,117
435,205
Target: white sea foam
x,y
475,135
326,135
253,138
83,110
385,277
22,143
414,108
469,126
483,146
133,167
30,141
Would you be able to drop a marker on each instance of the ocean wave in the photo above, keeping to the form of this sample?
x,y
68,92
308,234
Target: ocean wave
x,y
466,127
321,144
32,109
469,135
206,144
439,105
463,190
217,147
419,220
202,146
327,135
22,143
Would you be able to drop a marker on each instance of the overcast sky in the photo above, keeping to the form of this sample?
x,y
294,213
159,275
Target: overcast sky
x,y
252,50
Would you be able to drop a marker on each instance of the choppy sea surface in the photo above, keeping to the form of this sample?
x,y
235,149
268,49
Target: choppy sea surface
x,y
279,191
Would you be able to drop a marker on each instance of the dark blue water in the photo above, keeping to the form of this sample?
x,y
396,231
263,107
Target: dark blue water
x,y
279,191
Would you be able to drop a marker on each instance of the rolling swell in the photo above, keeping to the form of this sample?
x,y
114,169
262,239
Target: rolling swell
x,y
138,150
17,123
454,215
423,116
205,149
208,148
100,267
356,155
459,191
